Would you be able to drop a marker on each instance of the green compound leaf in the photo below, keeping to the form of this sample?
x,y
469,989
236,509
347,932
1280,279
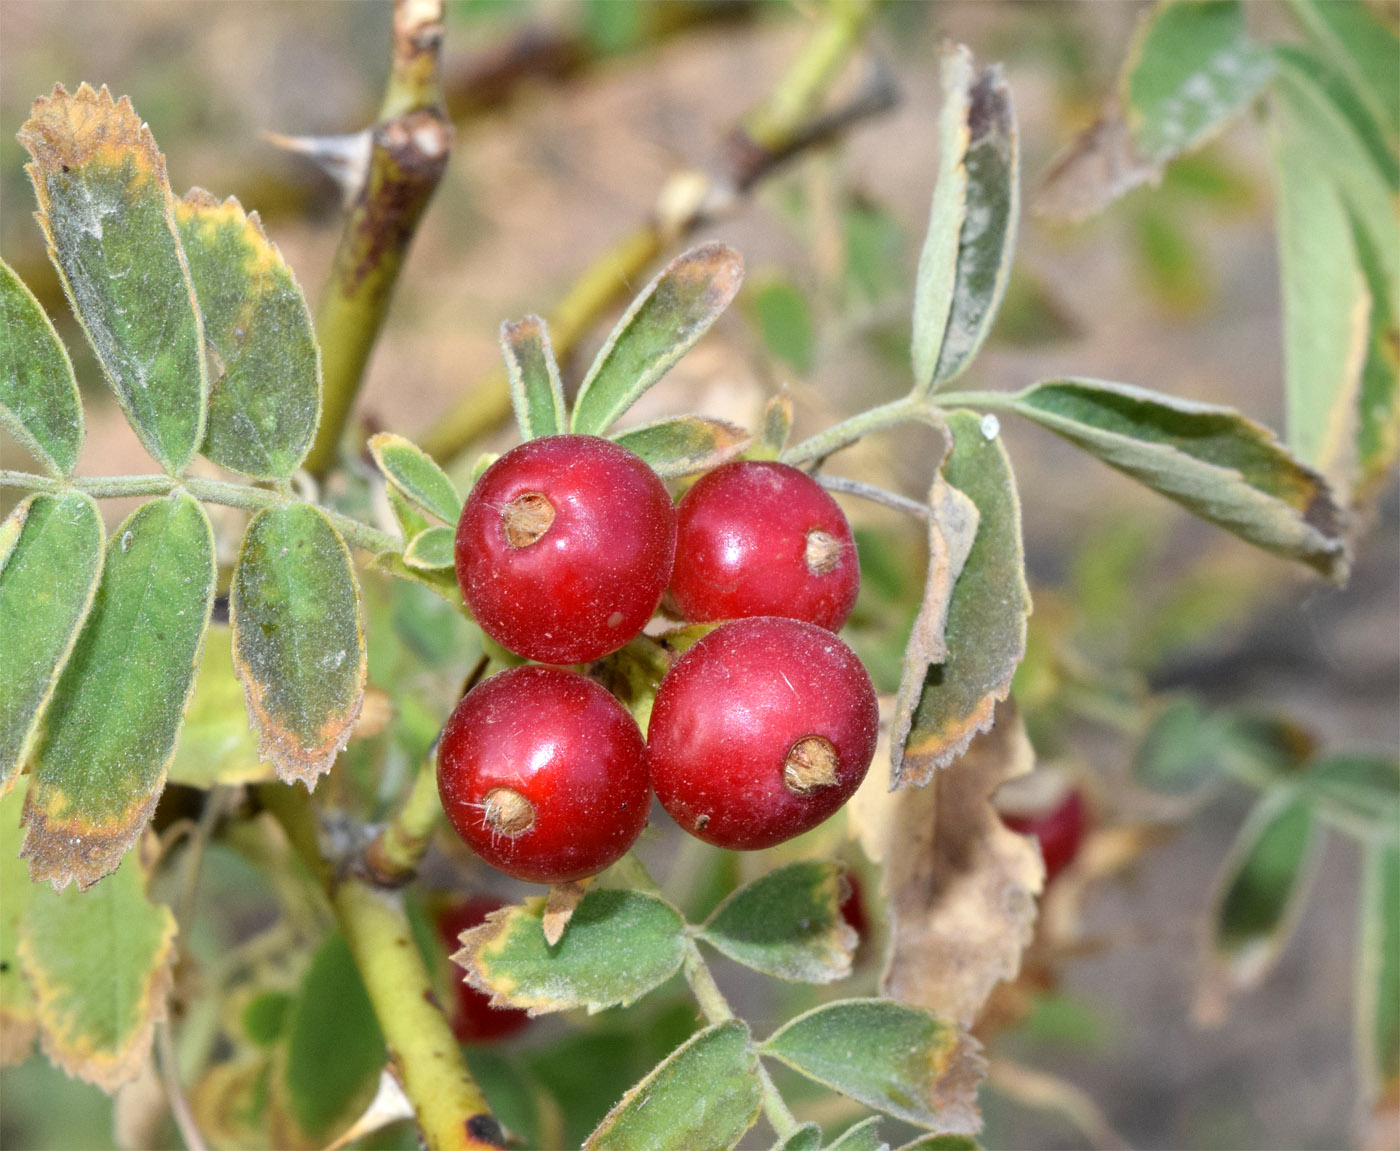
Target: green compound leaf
x,y
788,923
962,276
47,583
39,401
1260,890
216,744
431,550
684,445
99,964
263,362
105,207
701,1097
663,323
862,1136
109,731
298,639
1213,461
1361,46
536,392
618,946
19,1025
417,476
808,1137
897,1059
1192,69
1182,753
1378,973
1364,787
334,1048
963,669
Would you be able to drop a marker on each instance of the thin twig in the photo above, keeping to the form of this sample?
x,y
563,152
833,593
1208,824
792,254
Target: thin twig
x,y
175,1092
876,495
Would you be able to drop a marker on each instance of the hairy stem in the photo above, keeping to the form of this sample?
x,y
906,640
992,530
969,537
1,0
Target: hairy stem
x,y
408,154
904,410
223,492
452,1112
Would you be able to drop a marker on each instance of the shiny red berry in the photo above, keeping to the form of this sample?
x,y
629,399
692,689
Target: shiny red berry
x,y
543,774
762,538
761,731
474,1020
1060,830
564,548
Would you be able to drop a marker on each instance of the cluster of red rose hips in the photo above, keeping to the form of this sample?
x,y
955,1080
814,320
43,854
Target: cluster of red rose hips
x,y
759,731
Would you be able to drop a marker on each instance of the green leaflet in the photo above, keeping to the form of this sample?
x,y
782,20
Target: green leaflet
x,y
431,549
663,323
1193,67
618,946
808,1137
1182,752
416,476
1210,459
962,278
47,584
333,1048
1362,47
216,744
536,392
783,318
109,730
39,401
1262,886
18,1023
298,639
1378,972
862,1136
1364,787
105,207
684,445
949,692
99,965
264,364
788,923
904,1061
702,1097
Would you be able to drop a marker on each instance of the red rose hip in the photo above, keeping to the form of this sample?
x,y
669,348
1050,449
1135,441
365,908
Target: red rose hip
x,y
543,774
761,731
1059,828
762,538
564,548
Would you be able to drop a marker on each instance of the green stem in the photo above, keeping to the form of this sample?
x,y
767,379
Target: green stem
x,y
223,492
452,1112
716,1010
408,154
986,401
904,410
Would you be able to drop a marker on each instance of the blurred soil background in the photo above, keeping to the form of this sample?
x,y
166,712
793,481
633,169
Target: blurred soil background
x,y
1173,289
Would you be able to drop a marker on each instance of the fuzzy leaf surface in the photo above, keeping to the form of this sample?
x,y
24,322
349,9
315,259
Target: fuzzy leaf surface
x,y
264,364
39,401
1378,974
47,582
862,1136
663,323
961,279
808,1137
109,730
901,1060
1260,890
298,639
961,885
701,1097
416,475
1210,459
788,923
536,392
431,550
216,744
944,703
105,208
619,945
99,963
684,445
334,1048
19,1025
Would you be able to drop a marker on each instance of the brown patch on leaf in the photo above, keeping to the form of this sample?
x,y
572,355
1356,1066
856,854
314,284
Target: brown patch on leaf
x,y
62,851
559,907
708,273
17,1034
293,759
961,886
88,127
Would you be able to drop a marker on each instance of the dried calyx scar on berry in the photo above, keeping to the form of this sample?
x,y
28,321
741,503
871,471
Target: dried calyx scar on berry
x,y
759,538
564,548
543,774
761,731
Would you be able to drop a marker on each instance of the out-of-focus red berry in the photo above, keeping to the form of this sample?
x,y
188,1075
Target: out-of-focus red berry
x,y
474,1020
